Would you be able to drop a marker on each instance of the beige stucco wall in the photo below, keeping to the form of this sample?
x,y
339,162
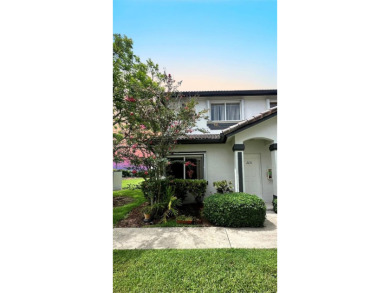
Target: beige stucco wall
x,y
265,130
219,161
251,106
258,146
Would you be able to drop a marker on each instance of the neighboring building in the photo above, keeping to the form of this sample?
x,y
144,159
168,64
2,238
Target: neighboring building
x,y
241,145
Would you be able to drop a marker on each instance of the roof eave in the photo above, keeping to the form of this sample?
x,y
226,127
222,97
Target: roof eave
x,y
222,139
246,126
230,93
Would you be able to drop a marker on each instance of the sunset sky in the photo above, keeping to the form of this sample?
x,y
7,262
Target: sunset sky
x,y
210,45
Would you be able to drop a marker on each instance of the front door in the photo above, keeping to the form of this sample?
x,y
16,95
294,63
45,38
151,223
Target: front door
x,y
252,173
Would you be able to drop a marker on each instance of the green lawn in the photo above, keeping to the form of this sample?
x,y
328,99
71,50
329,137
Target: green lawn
x,y
195,270
132,181
120,213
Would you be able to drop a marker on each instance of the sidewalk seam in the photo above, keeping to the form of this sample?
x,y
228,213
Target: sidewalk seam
x,y
228,238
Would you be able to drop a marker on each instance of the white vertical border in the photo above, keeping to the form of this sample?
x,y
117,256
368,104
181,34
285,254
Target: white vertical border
x,y
332,221
242,104
208,109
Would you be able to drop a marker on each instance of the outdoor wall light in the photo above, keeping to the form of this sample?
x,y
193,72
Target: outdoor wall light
x,y
269,174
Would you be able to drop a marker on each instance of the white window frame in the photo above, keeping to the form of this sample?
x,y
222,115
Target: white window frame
x,y
190,155
239,102
273,101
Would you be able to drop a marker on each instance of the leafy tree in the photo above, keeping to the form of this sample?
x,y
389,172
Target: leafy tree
x,y
129,74
150,113
118,142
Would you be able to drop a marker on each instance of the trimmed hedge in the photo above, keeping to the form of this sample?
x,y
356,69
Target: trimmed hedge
x,y
236,209
197,187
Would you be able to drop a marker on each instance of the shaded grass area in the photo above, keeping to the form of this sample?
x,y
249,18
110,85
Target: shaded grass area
x,y
192,210
132,181
171,223
121,212
195,270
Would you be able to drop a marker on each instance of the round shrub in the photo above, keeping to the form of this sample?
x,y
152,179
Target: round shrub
x,y
125,173
235,210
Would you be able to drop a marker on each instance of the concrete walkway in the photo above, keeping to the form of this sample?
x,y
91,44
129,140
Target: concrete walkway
x,y
198,237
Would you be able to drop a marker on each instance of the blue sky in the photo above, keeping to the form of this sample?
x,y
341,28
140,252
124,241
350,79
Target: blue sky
x,y
210,45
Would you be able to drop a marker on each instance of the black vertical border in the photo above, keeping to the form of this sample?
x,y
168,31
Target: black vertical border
x,y
240,177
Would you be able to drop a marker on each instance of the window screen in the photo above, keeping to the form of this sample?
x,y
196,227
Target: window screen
x,y
233,111
218,112
225,111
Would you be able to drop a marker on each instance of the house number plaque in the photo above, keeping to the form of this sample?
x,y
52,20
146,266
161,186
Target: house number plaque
x,y
249,162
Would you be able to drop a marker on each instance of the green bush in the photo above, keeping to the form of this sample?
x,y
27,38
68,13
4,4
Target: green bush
x,y
275,204
150,189
197,189
223,186
180,188
125,173
235,210
147,209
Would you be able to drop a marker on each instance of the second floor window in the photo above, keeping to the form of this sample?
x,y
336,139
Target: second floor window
x,y
225,111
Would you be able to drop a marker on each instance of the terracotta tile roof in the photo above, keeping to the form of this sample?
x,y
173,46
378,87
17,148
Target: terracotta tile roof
x,y
221,137
200,136
250,121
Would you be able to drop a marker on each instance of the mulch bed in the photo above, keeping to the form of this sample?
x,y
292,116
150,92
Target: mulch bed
x,y
135,218
121,201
